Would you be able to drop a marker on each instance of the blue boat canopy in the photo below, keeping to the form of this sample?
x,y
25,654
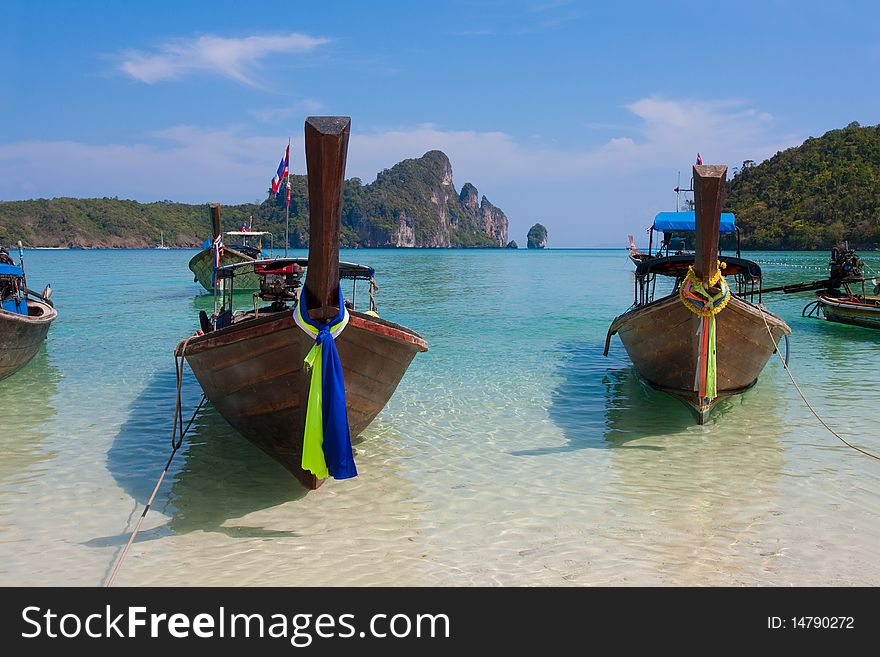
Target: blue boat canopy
x,y
671,221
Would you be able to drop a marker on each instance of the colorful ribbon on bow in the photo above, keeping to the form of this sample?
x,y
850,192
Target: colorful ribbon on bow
x,y
327,438
701,302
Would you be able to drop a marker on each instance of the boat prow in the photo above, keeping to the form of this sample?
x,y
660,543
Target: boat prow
x,y
21,335
254,375
203,263
251,363
202,267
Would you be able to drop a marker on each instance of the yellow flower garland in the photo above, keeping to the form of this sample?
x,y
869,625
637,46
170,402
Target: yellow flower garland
x,y
715,304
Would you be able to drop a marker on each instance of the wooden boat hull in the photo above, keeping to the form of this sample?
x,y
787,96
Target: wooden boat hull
x,y
202,267
661,340
21,337
253,373
845,311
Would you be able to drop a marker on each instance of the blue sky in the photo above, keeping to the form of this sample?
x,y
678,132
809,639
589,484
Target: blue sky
x,y
575,114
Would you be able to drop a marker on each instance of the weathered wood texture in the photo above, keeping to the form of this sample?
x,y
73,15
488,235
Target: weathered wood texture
x,y
661,340
326,150
708,200
253,374
215,220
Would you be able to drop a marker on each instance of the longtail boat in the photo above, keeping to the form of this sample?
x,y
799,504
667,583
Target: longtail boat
x,y
703,341
635,254
25,316
251,363
843,297
248,249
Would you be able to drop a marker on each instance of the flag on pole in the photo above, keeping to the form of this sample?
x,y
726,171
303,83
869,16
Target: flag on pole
x,y
283,171
699,160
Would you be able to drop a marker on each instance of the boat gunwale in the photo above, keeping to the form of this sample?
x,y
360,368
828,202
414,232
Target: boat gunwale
x,y
772,318
243,330
849,304
49,314
226,249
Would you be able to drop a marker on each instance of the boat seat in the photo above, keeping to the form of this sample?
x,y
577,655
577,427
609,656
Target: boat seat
x,y
224,318
204,322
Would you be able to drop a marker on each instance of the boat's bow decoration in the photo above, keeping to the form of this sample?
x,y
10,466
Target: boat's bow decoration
x,y
707,338
706,294
705,304
301,370
327,438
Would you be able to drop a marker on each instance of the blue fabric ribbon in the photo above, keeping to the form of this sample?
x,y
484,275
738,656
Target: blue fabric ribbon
x,y
337,435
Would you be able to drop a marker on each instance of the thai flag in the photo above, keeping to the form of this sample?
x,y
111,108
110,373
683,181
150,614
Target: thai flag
x,y
283,171
699,160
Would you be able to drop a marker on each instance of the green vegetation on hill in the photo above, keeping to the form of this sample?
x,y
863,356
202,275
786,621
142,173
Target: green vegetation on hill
x,y
412,204
814,195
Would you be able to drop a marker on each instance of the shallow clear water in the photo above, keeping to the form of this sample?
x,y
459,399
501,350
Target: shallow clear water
x,y
512,453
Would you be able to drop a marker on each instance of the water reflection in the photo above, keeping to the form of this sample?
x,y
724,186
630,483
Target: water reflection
x,y
594,388
698,494
707,493
630,408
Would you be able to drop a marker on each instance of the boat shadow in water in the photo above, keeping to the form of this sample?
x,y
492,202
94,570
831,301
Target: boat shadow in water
x,y
601,402
216,477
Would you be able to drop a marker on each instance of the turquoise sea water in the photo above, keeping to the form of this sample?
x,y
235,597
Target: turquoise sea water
x,y
512,453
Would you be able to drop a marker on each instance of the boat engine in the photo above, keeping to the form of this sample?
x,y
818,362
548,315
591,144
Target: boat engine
x,y
279,284
845,264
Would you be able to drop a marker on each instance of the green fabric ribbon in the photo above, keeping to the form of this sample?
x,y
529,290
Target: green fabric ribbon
x,y
313,438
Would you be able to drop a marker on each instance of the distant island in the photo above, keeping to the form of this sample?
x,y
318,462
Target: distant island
x,y
412,204
537,237
812,196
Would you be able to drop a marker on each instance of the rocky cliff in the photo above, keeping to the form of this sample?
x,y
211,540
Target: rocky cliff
x,y
412,204
537,237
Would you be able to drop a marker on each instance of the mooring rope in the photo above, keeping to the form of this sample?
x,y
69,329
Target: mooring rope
x,y
176,442
373,289
806,401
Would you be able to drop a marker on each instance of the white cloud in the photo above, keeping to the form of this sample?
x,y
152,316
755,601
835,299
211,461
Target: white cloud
x,y
670,135
230,57
184,163
588,195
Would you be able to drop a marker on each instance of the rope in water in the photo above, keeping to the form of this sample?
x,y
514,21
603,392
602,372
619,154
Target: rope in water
x,y
176,442
806,401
